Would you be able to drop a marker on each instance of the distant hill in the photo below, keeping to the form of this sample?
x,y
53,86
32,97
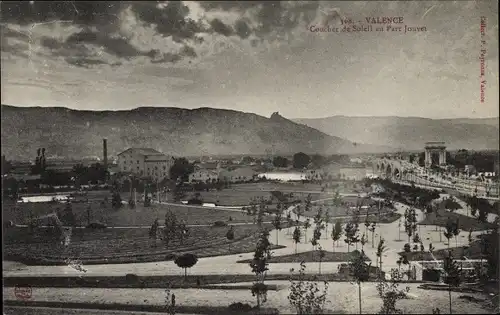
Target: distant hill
x,y
410,133
176,131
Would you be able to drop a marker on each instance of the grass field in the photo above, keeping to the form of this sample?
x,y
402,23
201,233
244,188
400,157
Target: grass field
x,y
465,223
343,210
189,214
471,252
125,216
281,186
124,245
236,197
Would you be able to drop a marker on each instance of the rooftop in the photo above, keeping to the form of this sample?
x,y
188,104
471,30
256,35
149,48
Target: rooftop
x,y
142,151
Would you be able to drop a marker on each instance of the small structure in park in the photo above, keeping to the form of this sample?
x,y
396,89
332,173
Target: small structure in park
x,y
432,148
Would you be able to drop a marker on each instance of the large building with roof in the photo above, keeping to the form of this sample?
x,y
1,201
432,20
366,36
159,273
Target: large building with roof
x,y
145,162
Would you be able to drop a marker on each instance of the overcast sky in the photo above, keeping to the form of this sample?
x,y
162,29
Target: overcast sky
x,y
250,56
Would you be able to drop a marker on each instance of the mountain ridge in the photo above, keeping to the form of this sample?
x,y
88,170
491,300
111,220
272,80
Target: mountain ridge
x,y
411,133
172,130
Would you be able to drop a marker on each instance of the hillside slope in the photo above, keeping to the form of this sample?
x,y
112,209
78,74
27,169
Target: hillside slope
x,y
411,133
176,131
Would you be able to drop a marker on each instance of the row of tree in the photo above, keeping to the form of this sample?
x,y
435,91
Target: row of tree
x,y
172,230
301,160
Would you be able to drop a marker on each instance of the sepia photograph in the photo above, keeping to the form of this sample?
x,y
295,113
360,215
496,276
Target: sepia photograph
x,y
250,157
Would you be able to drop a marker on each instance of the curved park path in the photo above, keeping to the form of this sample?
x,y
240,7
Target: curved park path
x,y
228,264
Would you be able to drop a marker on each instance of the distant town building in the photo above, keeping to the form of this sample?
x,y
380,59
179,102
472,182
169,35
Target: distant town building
x,y
204,176
356,160
61,167
145,162
353,173
244,174
21,168
208,165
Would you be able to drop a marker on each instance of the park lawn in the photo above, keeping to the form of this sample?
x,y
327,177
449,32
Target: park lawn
x,y
281,186
189,214
19,213
471,252
113,245
342,211
126,216
235,197
387,217
313,256
465,223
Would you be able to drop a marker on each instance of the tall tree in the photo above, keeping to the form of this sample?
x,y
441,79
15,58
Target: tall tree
x,y
351,234
317,160
360,271
171,227
277,224
306,297
322,254
230,236
327,221
181,169
456,231
259,266
452,274
317,234
296,237
301,160
363,241
390,293
372,229
116,200
280,161
69,216
289,222
186,261
449,229
307,225
336,233
381,248
153,231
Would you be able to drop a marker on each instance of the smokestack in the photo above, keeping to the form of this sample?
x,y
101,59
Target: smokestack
x,y
105,153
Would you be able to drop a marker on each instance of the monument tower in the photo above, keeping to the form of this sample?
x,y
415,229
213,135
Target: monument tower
x,y
433,148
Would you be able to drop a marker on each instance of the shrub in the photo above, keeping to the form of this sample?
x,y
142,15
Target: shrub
x,y
169,257
305,296
240,307
195,201
96,225
185,261
131,278
219,223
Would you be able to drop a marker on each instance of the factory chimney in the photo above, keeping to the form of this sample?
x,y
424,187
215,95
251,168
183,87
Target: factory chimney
x,y
105,153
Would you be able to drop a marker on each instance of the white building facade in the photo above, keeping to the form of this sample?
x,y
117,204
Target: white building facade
x,y
145,162
204,176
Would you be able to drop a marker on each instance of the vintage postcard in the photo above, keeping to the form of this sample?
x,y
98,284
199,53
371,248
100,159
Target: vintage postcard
x,y
250,157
